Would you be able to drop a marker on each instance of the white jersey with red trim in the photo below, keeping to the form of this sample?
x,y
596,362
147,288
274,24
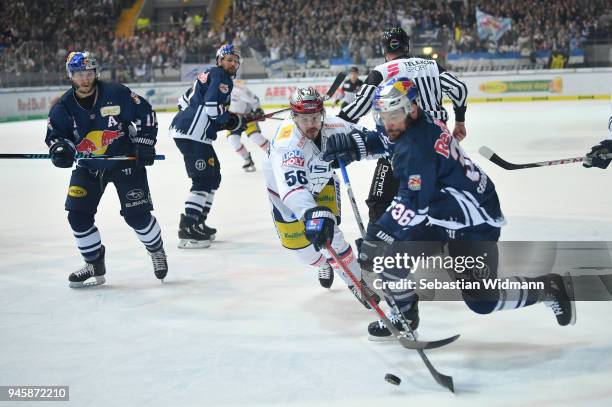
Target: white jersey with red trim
x,y
243,101
295,170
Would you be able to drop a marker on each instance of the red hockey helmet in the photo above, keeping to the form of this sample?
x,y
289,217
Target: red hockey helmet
x,y
306,101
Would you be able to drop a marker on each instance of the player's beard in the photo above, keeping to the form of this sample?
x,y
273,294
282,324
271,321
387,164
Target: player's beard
x,y
311,132
394,135
84,91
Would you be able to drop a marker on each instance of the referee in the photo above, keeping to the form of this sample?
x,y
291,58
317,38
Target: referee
x,y
349,89
431,79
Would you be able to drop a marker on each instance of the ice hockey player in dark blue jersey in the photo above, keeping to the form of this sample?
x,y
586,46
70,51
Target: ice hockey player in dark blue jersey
x,y
443,197
202,113
104,118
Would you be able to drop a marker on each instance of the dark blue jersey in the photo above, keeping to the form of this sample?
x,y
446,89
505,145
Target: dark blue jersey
x,y
438,182
103,129
203,107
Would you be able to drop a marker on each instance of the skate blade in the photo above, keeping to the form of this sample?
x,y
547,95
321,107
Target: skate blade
x,y
193,244
413,337
213,237
97,280
373,338
249,169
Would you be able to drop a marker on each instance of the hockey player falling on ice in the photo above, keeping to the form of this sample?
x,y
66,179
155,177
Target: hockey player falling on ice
x,y
202,113
97,118
443,197
304,191
244,102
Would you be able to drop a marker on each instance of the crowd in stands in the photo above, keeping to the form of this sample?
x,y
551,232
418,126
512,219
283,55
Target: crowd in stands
x,y
36,35
320,30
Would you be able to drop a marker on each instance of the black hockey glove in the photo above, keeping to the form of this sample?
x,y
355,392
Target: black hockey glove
x,y
62,153
605,147
347,147
259,114
375,244
235,124
144,150
319,224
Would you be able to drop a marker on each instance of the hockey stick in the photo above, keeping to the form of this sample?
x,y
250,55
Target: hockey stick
x,y
443,380
406,342
490,155
78,155
330,92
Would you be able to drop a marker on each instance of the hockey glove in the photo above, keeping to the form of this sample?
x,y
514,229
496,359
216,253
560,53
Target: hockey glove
x,y
594,159
375,244
62,153
347,147
319,226
235,124
144,150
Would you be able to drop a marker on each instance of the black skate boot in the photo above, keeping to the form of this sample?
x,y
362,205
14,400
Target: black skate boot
x,y
212,232
249,165
160,264
191,235
90,274
360,298
559,296
379,332
326,275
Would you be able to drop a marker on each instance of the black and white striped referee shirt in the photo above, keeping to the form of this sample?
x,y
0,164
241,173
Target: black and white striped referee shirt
x,y
431,79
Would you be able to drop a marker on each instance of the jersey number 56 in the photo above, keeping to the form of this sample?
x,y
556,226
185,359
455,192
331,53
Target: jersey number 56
x,y
296,176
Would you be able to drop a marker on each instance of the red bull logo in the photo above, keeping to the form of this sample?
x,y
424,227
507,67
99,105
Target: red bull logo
x,y
414,182
97,141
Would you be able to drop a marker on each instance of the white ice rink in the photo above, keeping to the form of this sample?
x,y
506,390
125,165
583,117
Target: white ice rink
x,y
243,323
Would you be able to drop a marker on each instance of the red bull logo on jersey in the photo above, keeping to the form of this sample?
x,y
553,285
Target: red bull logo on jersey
x,y
414,182
97,141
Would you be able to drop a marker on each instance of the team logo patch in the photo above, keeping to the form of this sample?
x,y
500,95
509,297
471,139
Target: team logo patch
x,y
394,44
96,142
110,110
211,161
200,165
284,132
224,88
314,225
135,194
293,158
203,77
77,192
414,182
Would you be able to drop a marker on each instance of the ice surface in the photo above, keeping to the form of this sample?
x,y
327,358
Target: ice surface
x,y
243,323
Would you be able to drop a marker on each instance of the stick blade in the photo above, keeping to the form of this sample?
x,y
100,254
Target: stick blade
x,y
416,344
486,152
445,381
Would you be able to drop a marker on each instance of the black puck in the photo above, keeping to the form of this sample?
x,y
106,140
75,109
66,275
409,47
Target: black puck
x,y
393,379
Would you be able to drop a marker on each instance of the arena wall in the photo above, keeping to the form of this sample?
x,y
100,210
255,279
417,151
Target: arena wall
x,y
521,86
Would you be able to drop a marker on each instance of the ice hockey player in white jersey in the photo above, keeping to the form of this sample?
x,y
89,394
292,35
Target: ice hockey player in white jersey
x,y
304,191
605,147
243,101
